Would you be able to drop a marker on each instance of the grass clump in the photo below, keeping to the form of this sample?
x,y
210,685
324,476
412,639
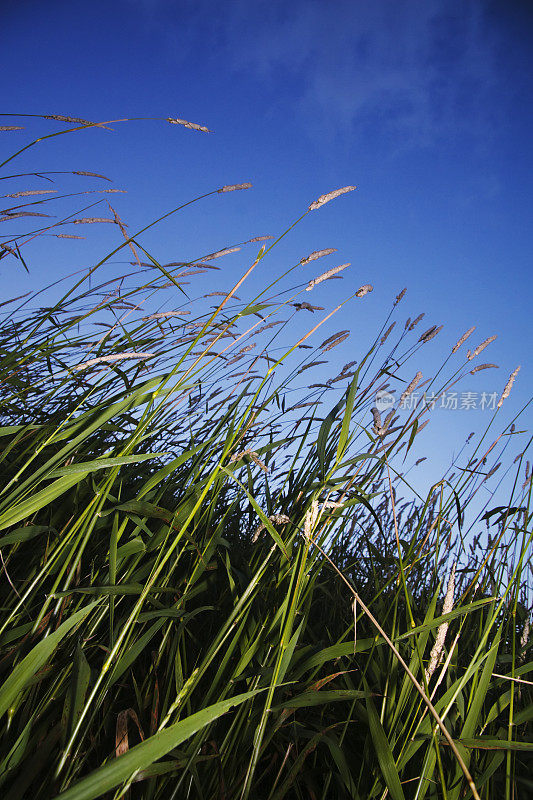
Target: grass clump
x,y
213,588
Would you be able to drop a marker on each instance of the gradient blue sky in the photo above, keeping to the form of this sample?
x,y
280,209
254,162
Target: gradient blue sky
x,y
425,105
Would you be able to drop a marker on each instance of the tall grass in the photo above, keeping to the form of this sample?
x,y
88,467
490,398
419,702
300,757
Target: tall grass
x,y
216,580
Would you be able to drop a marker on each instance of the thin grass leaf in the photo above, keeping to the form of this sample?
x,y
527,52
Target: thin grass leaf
x,y
22,674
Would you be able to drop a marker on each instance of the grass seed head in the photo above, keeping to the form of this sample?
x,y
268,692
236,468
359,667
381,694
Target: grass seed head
x,y
312,364
325,276
416,321
377,419
463,339
275,519
310,519
234,187
400,296
112,358
225,252
307,307
192,125
524,638
412,386
61,118
387,333
479,349
436,650
318,254
338,341
332,338
430,334
508,386
483,366
325,198
31,192
491,472
91,175
91,220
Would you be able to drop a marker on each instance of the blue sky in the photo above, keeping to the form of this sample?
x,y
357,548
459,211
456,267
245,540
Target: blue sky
x,y
424,105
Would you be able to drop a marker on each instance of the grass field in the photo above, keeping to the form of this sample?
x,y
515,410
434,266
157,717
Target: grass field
x,y
216,580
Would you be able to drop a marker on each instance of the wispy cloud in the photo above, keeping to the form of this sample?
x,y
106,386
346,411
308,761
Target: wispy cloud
x,y
417,69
